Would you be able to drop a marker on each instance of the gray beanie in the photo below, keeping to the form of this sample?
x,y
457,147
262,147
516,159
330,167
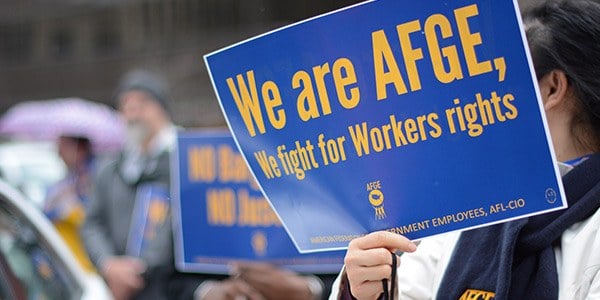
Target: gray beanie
x,y
148,82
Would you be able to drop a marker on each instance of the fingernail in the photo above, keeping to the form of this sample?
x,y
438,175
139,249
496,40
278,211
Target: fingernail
x,y
412,247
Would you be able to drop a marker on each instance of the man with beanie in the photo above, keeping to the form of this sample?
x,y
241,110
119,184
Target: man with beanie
x,y
137,261
129,190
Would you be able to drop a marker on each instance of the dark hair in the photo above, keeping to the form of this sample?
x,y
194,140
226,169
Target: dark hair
x,y
82,143
565,35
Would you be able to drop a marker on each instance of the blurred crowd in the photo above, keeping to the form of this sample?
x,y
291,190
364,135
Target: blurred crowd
x,y
112,155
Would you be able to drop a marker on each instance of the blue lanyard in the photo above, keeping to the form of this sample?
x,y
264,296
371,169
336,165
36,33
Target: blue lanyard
x,y
576,161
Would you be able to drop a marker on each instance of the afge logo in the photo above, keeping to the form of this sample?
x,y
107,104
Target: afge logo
x,y
376,198
259,243
472,294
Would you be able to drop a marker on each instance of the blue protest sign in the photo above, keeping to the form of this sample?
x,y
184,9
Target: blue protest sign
x,y
149,218
417,117
221,215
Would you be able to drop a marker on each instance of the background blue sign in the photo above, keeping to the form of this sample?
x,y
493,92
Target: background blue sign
x,y
150,218
417,117
221,215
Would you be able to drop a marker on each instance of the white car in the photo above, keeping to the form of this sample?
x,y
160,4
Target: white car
x,y
35,263
31,167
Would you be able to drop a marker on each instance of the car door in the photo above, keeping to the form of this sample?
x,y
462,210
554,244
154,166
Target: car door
x,y
30,267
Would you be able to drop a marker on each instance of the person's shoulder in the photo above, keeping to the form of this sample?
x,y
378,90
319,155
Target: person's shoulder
x,y
590,227
578,255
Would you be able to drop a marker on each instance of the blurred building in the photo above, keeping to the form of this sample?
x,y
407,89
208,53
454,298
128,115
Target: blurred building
x,y
61,48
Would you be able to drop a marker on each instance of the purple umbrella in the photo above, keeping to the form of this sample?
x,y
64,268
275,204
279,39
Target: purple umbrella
x,y
49,119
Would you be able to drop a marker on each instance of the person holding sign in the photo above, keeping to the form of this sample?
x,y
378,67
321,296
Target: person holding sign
x,y
128,229
548,256
228,240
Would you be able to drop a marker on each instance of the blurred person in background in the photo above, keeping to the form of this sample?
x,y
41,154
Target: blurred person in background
x,y
144,162
66,201
142,99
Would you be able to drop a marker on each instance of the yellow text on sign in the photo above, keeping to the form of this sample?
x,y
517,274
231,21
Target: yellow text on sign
x,y
386,67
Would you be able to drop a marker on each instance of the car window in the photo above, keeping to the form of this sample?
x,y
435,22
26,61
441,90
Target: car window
x,y
10,286
30,259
